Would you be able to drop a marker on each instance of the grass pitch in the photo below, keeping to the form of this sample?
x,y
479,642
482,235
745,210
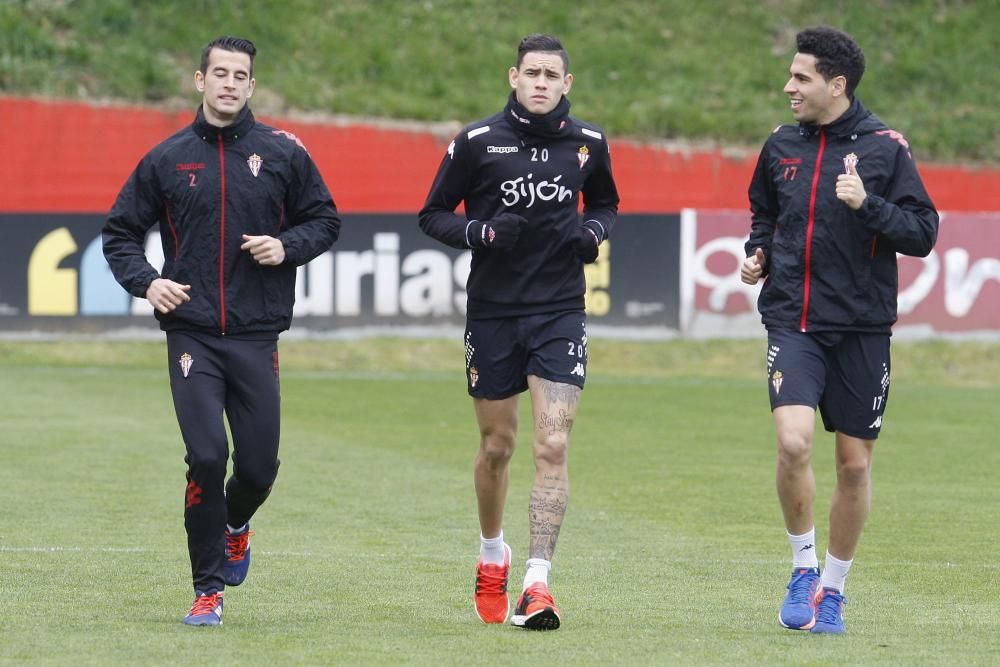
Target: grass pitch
x,y
672,551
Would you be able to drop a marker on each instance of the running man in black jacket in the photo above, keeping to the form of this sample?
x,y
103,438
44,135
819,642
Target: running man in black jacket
x,y
833,199
239,206
520,174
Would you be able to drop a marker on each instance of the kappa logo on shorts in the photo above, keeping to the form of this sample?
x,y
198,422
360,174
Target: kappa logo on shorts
x,y
877,423
776,379
473,376
186,361
578,370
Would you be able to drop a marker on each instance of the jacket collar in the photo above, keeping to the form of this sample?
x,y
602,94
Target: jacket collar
x,y
846,124
553,124
239,127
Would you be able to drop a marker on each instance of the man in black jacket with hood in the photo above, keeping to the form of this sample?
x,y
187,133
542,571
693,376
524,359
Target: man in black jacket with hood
x,y
833,199
520,174
240,206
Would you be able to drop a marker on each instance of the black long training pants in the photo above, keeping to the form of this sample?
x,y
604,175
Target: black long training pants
x,y
209,376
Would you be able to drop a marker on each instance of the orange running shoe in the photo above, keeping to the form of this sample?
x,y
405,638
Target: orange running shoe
x,y
492,603
535,609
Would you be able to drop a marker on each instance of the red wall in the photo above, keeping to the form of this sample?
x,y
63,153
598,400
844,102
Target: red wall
x,y
71,157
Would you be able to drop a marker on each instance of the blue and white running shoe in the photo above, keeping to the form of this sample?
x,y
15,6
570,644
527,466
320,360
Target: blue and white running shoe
x,y
237,563
798,611
829,612
206,610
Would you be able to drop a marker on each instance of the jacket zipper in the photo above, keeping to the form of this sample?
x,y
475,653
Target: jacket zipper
x,y
809,230
222,236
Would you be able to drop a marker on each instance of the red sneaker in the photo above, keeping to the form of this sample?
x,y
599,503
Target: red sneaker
x,y
492,603
535,609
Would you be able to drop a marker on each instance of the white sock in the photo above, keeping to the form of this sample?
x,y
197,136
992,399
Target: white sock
x,y
237,531
804,549
835,573
538,571
491,549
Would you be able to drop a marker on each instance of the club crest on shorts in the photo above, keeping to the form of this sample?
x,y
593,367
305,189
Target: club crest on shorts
x,y
776,379
186,361
850,160
473,376
583,155
255,162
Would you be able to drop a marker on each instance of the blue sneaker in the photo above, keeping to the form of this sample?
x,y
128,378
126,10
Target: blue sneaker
x,y
237,564
829,612
206,610
798,611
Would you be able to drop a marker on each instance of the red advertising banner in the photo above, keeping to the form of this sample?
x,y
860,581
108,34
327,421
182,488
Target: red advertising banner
x,y
956,289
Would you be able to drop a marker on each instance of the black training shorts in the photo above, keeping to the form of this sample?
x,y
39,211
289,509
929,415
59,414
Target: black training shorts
x,y
845,374
501,353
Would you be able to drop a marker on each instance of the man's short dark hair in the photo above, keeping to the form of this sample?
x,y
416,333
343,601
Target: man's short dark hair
x,y
836,53
545,43
235,44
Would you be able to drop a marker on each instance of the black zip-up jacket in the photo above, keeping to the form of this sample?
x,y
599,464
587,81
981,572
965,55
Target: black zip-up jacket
x,y
830,268
207,186
495,168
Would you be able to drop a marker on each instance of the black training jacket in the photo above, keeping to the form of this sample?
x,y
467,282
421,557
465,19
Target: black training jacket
x,y
829,268
494,168
207,186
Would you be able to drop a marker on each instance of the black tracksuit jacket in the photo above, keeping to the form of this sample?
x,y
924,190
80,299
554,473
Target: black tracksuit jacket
x,y
207,186
494,168
827,267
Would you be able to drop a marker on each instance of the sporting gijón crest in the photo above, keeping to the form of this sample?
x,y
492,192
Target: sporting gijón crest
x,y
255,162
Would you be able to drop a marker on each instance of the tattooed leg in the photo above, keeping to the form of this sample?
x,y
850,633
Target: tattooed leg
x,y
554,409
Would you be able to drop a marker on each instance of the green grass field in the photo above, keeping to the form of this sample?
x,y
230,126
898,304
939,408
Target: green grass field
x,y
672,551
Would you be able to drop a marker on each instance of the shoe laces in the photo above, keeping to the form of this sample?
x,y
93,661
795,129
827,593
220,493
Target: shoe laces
x,y
491,579
828,611
800,588
236,545
539,594
205,604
